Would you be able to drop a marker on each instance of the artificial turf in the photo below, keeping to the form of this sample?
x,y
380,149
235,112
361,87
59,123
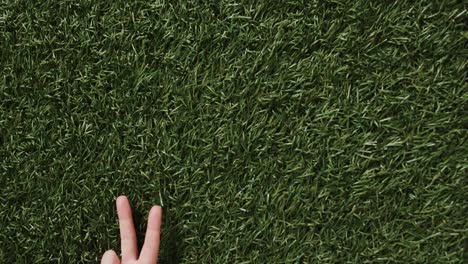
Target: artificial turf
x,y
270,131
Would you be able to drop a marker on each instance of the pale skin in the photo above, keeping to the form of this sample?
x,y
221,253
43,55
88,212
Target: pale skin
x,y
150,250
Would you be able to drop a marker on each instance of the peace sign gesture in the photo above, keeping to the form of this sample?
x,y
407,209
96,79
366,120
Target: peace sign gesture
x,y
150,250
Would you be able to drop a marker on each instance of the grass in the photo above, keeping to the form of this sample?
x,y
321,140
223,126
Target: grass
x,y
270,131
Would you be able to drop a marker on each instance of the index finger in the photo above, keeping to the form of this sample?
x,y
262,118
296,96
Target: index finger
x,y
150,250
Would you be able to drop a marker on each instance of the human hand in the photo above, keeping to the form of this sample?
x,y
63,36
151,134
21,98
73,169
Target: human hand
x,y
150,250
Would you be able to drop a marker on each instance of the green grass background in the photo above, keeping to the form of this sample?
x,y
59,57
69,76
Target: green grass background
x,y
270,131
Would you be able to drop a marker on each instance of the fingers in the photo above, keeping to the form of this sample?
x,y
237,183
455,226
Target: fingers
x,y
110,257
150,251
128,239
